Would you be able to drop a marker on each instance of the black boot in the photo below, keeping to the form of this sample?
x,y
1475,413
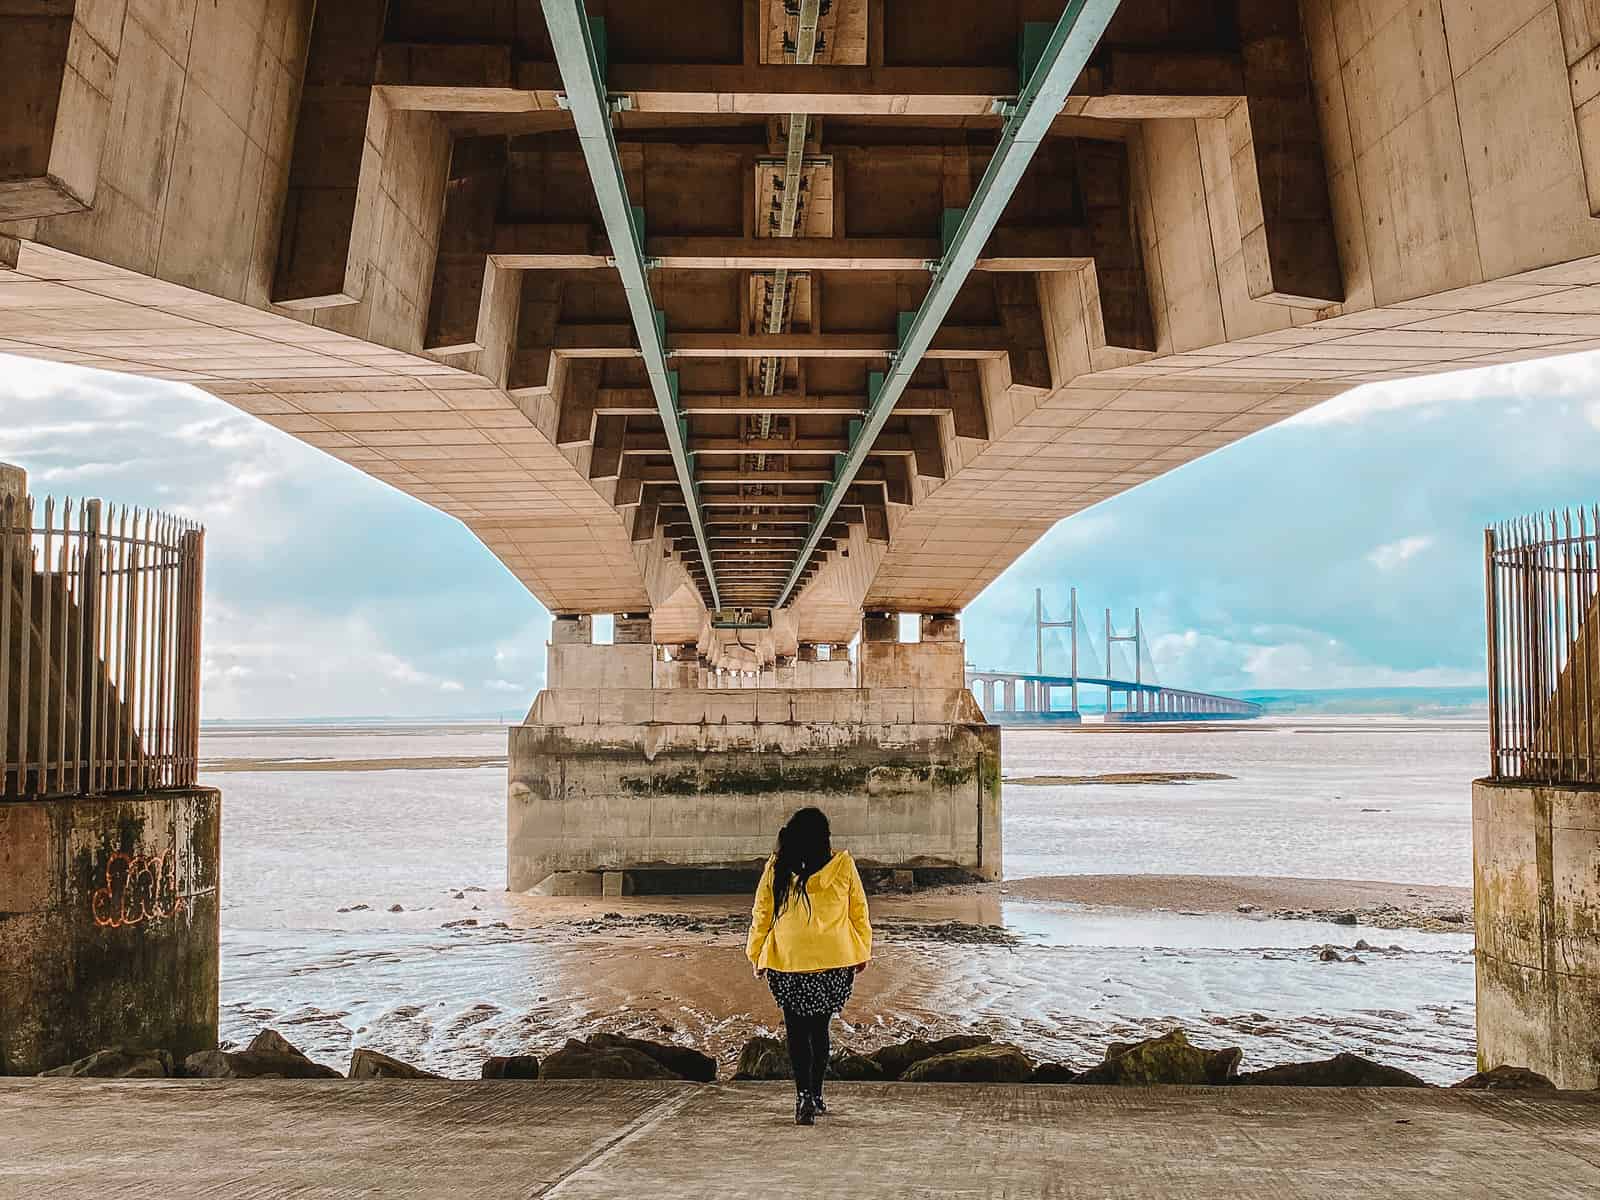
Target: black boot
x,y
805,1109
816,1103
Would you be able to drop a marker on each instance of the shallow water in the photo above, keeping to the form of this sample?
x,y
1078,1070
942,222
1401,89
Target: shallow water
x,y
298,846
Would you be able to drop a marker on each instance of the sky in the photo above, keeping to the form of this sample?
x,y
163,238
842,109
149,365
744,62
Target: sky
x,y
1342,548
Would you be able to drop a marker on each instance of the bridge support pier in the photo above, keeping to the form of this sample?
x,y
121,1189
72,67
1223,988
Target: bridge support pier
x,y
678,787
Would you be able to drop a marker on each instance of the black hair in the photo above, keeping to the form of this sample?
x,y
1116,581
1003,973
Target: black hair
x,y
804,848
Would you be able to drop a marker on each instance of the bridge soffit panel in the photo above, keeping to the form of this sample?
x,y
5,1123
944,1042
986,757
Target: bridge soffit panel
x,y
1195,252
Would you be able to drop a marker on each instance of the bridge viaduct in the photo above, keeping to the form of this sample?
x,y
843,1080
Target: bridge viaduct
x,y
761,322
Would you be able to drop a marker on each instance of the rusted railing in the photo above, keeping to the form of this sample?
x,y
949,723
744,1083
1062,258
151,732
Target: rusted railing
x,y
99,649
1544,647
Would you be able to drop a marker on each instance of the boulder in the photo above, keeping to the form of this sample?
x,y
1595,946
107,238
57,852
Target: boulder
x,y
1053,1073
254,1064
683,1061
270,1041
369,1064
855,1068
1342,1070
511,1066
896,1059
117,1063
1165,1059
577,1060
989,1063
1506,1078
764,1058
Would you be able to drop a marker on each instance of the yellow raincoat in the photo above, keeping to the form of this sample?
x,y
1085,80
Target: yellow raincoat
x,y
833,932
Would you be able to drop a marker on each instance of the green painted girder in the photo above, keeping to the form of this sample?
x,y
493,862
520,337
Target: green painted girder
x,y
1048,78
580,50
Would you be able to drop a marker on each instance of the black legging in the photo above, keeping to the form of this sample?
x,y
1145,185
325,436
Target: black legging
x,y
808,1049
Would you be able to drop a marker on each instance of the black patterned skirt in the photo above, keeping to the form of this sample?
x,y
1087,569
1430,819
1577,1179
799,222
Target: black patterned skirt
x,y
812,993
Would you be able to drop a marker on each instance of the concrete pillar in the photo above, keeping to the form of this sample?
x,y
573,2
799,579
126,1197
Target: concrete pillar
x,y
13,482
630,629
572,629
806,652
112,935
1536,906
941,627
880,627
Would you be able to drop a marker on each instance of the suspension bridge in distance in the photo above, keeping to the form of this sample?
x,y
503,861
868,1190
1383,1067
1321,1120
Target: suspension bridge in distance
x,y
1132,690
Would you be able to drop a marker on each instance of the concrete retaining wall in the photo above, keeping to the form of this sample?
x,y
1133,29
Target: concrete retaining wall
x,y
108,926
1536,903
637,780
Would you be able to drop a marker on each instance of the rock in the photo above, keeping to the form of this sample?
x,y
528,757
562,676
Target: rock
x,y
1053,1073
683,1061
1345,918
1248,908
397,908
765,1058
511,1066
899,1057
464,923
1454,918
1360,962
577,1060
1169,1058
1329,954
369,1064
458,895
1342,1070
254,1064
1362,944
270,1041
991,1063
1506,1078
117,1063
855,1068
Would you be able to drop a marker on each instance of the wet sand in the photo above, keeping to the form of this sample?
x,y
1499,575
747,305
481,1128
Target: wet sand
x,y
1372,903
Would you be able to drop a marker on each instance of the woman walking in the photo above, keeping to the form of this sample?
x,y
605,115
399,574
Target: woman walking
x,y
810,936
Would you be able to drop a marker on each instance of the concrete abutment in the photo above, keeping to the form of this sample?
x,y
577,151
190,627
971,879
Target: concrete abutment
x,y
615,776
108,925
1536,906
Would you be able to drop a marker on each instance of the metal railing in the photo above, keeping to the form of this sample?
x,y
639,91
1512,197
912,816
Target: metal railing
x,y
99,649
1542,581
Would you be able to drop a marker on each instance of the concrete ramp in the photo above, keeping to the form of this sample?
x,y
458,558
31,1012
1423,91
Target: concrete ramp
x,y
278,1138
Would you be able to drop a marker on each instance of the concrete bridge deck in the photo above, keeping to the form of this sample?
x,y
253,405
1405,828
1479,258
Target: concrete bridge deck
x,y
260,1139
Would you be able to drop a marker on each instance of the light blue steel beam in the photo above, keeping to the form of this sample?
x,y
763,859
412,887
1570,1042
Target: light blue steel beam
x,y
1044,91
583,78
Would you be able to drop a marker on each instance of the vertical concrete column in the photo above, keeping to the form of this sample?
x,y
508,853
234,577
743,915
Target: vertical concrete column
x,y
630,629
13,482
941,627
806,652
878,628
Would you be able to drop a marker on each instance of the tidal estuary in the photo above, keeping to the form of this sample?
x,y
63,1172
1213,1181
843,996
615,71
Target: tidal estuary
x,y
364,904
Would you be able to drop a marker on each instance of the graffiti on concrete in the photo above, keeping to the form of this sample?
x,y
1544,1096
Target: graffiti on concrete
x,y
138,888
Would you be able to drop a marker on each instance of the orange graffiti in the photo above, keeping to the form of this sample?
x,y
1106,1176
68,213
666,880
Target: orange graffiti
x,y
138,888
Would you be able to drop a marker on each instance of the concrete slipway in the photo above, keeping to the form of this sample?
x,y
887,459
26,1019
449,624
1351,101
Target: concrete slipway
x,y
258,1139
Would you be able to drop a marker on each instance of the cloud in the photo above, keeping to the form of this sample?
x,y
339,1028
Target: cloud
x,y
1397,553
1563,376
328,593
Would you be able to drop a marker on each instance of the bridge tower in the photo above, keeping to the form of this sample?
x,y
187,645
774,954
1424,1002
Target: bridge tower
x,y
1039,626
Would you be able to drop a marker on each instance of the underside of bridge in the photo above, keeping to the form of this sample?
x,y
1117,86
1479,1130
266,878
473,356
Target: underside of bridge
x,y
761,321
